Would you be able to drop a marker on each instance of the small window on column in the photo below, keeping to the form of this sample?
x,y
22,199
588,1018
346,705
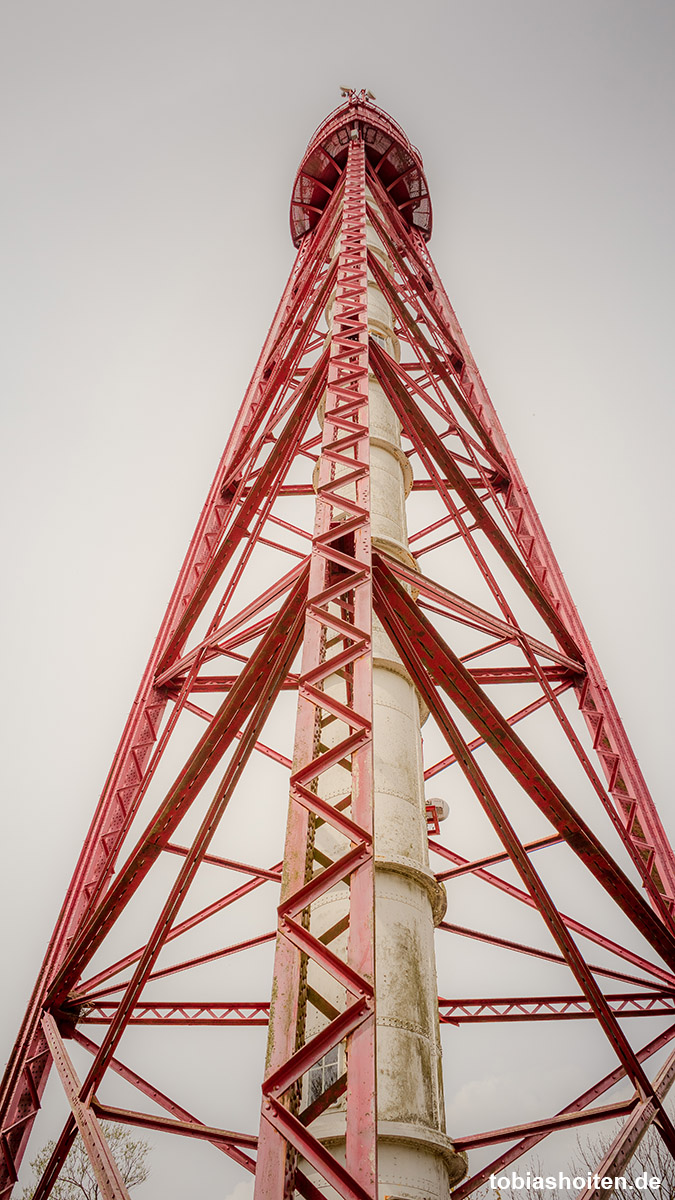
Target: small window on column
x,y
324,1073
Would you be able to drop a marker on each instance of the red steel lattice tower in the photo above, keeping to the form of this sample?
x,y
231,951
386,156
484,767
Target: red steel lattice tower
x,y
392,673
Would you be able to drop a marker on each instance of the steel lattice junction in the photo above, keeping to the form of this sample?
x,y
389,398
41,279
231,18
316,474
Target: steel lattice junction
x,y
305,604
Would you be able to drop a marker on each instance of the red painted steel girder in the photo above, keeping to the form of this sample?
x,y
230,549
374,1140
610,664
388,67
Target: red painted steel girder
x,y
575,926
451,1012
341,573
554,1008
432,656
628,1139
26,1072
577,1105
160,1098
180,1013
397,163
429,662
625,781
572,1119
110,1183
461,462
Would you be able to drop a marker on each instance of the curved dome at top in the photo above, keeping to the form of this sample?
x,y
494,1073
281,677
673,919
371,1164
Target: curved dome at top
x,y
397,163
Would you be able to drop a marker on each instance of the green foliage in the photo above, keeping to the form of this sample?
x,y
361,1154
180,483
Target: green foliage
x,y
77,1180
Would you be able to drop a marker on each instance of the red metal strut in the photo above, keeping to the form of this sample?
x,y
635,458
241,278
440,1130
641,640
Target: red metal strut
x,y
283,587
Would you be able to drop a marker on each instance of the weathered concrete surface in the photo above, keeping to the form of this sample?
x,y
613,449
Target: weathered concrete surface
x,y
416,1158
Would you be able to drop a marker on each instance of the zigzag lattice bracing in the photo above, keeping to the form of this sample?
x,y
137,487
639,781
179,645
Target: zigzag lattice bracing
x,y
368,605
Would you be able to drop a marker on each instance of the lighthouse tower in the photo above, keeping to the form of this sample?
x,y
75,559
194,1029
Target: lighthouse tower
x,y
377,911
369,631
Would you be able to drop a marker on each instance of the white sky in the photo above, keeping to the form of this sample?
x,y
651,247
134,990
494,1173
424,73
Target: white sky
x,y
148,153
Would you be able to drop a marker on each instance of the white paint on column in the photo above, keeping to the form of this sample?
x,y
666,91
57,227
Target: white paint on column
x,y
416,1158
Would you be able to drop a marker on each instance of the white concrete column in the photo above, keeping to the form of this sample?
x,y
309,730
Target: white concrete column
x,y
416,1158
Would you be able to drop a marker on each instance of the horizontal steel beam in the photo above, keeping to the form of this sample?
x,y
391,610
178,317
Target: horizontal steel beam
x,y
451,1012
554,1008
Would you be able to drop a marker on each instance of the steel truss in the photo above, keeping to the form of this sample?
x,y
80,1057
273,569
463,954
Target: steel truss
x,y
470,654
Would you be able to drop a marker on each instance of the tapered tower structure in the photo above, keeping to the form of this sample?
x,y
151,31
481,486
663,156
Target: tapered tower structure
x,y
422,616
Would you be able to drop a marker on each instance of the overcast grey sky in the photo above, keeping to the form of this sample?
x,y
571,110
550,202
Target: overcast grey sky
x,y
148,153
